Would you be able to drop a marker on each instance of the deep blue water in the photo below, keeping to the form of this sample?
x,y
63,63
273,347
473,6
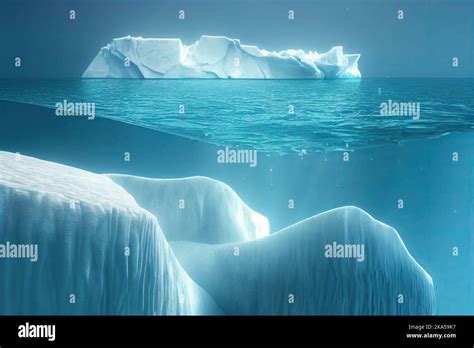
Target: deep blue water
x,y
278,116
383,165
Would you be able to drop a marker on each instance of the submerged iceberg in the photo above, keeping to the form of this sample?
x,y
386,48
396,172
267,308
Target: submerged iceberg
x,y
216,57
98,252
197,209
116,244
292,273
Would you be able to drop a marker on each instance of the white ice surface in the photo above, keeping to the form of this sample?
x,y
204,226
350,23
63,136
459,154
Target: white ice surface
x,y
216,57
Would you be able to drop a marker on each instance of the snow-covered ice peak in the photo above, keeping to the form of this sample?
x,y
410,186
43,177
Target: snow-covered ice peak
x,y
216,57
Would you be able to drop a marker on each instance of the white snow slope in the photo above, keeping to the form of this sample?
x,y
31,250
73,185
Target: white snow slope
x,y
216,57
83,225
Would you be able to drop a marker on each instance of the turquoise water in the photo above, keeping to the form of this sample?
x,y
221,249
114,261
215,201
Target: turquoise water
x,y
279,116
391,158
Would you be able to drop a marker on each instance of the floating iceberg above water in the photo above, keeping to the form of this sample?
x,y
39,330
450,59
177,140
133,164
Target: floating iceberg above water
x,y
216,57
99,241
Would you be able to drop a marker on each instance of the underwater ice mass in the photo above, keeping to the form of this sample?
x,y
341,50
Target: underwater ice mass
x,y
165,250
216,57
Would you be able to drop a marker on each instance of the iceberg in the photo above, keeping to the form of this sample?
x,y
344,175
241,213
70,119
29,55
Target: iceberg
x,y
291,273
98,252
216,57
196,209
74,242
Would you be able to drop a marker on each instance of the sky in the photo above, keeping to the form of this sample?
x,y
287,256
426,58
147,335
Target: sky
x,y
422,44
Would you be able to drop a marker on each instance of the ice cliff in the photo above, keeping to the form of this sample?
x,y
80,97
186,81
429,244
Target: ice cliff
x,y
98,251
196,209
216,57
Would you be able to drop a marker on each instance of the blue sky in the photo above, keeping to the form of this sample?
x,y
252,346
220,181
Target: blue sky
x,y
423,44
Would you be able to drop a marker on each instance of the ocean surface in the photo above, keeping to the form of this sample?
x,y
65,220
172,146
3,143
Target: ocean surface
x,y
277,116
427,162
